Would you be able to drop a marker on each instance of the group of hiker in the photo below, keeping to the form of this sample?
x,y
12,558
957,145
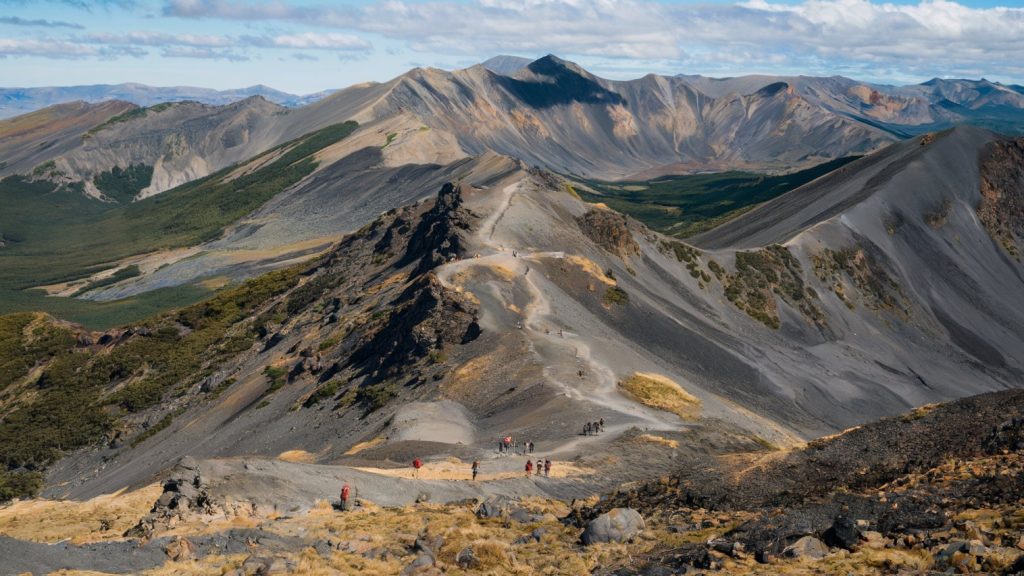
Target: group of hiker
x,y
509,445
542,466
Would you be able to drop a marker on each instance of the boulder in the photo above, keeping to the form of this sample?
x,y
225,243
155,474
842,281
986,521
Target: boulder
x,y
422,564
180,550
616,525
466,559
843,534
494,507
426,544
807,547
524,516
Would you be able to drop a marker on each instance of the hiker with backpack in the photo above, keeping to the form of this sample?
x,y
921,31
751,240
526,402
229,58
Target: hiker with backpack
x,y
416,465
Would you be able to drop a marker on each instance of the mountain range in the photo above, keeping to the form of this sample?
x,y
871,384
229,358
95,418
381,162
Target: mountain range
x,y
420,268
18,101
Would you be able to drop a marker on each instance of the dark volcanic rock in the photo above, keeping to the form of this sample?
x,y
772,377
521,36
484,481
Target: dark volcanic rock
x,y
610,230
842,534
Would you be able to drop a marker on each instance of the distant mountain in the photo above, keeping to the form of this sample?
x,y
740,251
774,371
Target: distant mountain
x,y
506,65
16,101
550,113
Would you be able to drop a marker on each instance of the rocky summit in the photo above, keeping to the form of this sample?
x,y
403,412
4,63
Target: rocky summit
x,y
515,318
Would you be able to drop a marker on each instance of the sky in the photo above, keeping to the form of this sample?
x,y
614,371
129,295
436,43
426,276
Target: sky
x,y
304,46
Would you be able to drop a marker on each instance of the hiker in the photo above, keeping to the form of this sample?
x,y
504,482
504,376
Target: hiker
x,y
345,491
540,466
580,373
595,428
600,425
529,468
547,468
501,447
476,468
416,465
586,429
529,447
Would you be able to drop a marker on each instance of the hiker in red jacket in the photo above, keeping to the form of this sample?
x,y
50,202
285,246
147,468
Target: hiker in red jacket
x,y
345,491
416,465
529,468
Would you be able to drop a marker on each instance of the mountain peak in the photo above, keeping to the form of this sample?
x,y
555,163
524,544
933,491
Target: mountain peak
x,y
505,64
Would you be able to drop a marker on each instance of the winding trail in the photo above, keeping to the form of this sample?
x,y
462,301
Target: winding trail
x,y
600,383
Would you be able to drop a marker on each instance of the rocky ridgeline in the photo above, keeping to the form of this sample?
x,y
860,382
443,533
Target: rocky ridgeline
x,y
957,508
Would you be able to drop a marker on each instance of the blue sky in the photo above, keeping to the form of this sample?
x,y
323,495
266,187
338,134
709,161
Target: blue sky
x,y
304,46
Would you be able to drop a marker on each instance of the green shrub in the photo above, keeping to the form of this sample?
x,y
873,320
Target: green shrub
x,y
375,397
324,392
276,376
615,295
20,484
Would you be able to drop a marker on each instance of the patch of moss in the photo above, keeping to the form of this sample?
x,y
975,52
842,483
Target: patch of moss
x,y
613,295
276,376
375,397
878,290
327,390
683,252
937,218
764,274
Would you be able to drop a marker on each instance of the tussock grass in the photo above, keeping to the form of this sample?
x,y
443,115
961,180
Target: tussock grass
x,y
102,518
660,393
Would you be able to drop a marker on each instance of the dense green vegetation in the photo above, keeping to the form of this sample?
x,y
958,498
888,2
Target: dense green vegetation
x,y
56,234
124,185
80,394
686,205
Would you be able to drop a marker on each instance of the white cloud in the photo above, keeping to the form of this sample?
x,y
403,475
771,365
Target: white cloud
x,y
62,50
930,37
203,53
313,40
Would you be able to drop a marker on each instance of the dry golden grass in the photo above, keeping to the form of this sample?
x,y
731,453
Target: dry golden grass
x,y
297,456
361,446
658,392
590,267
653,439
102,518
503,272
463,378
